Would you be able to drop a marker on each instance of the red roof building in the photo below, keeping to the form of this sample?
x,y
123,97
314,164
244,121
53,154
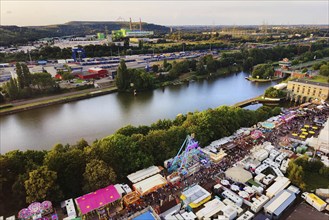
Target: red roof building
x,y
93,73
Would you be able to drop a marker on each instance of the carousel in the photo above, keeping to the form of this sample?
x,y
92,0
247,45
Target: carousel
x,y
37,210
285,142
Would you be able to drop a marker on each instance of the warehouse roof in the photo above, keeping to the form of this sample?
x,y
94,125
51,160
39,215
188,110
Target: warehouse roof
x,y
280,202
143,174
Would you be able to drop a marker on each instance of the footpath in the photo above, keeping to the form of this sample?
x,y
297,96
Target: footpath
x,y
22,105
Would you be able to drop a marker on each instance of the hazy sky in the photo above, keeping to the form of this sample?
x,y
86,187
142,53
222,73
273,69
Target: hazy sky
x,y
45,12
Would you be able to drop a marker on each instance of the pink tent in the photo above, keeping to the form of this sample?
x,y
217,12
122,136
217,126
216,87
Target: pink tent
x,y
97,199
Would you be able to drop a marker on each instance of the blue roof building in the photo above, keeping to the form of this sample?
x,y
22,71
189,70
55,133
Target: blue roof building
x,y
145,214
279,203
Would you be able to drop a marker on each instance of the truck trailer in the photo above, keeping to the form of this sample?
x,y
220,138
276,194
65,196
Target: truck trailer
x,y
314,201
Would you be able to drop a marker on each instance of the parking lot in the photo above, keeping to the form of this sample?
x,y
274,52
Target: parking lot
x,y
305,211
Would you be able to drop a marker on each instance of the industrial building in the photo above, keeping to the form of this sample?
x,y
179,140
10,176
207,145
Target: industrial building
x,y
281,183
143,174
303,90
147,213
258,203
275,207
233,197
246,216
210,209
117,34
195,196
150,184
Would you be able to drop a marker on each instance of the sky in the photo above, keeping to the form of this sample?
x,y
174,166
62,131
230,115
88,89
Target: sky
x,y
168,12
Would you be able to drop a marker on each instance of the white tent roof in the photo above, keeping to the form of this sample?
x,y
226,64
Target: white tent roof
x,y
195,194
210,208
238,174
143,174
149,183
322,141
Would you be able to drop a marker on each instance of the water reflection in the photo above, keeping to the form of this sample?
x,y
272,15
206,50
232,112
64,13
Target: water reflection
x,y
100,116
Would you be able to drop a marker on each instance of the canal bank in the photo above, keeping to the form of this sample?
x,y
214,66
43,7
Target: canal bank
x,y
54,100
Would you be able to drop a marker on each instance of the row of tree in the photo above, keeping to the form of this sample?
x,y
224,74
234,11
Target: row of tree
x,y
27,85
69,171
128,79
139,79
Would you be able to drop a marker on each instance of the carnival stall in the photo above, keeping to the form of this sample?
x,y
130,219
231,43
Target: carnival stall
x,y
150,184
97,200
256,134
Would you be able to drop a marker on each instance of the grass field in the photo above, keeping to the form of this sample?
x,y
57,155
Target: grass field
x,y
320,79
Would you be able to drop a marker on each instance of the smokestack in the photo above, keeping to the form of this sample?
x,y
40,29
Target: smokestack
x,y
140,24
130,25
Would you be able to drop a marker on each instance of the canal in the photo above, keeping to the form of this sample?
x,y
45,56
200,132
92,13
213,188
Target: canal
x,y
98,117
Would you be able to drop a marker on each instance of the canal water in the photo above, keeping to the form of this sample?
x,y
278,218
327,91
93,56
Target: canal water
x,y
98,117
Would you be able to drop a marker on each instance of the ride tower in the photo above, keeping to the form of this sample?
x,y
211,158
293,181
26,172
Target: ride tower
x,y
189,160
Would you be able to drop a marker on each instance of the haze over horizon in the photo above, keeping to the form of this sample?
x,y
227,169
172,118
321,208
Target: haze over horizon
x,y
35,13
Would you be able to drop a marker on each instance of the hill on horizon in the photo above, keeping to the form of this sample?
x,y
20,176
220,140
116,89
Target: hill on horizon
x,y
13,34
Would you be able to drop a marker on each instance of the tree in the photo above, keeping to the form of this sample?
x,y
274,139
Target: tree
x,y
248,64
166,66
324,171
179,68
12,89
97,175
19,74
69,164
122,79
43,81
212,66
26,75
41,185
263,71
296,174
155,68
200,69
192,64
271,92
81,144
23,75
324,70
2,98
316,66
